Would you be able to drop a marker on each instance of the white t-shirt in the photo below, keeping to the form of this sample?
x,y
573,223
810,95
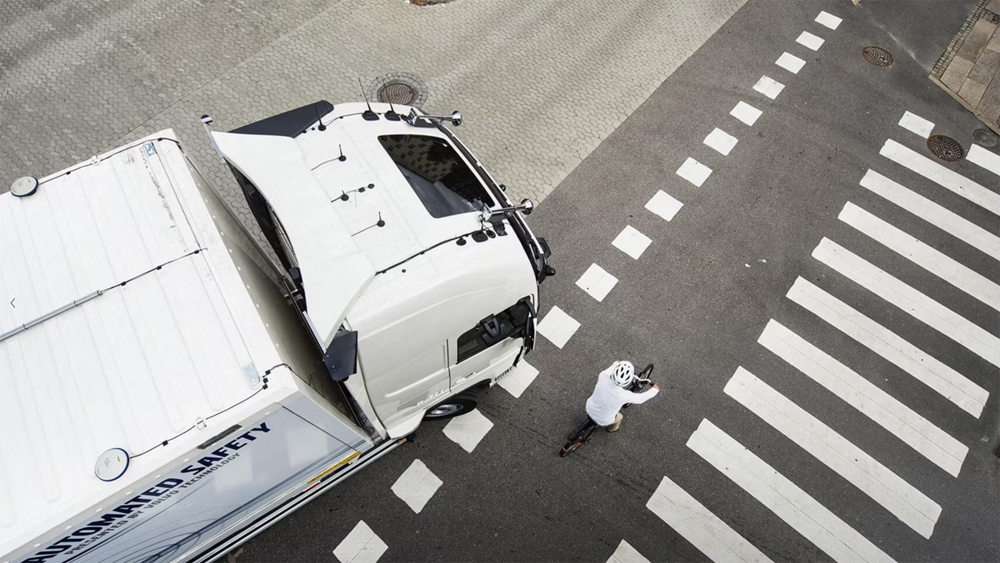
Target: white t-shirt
x,y
609,398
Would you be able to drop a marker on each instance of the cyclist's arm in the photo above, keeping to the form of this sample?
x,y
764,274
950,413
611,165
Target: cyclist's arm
x,y
639,398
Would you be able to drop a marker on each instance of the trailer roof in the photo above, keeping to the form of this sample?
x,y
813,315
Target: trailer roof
x,y
123,324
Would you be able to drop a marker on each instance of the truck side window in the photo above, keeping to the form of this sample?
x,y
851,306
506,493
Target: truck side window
x,y
510,322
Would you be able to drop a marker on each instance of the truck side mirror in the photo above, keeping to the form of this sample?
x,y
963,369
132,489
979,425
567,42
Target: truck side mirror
x,y
341,358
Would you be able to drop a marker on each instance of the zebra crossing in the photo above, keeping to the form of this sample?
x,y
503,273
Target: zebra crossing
x,y
867,471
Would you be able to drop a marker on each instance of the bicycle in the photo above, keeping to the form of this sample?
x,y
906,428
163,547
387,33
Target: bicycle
x,y
587,429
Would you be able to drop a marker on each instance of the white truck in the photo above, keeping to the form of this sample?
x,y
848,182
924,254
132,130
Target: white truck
x,y
167,390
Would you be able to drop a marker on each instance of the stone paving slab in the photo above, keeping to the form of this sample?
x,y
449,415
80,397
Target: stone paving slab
x,y
541,83
969,69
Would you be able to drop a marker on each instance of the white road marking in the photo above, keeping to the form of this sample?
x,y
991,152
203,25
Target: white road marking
x,y
986,159
519,379
597,282
922,255
696,524
417,485
937,316
790,503
631,242
847,460
925,368
933,213
809,40
626,554
901,421
917,124
664,205
790,62
694,172
746,113
944,177
360,546
828,20
468,429
558,327
721,141
769,87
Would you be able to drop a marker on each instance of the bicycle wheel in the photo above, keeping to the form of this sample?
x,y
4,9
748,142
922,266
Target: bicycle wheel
x,y
646,372
569,448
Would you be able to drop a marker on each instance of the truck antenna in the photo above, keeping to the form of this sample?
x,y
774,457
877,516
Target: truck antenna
x,y
319,118
391,115
368,115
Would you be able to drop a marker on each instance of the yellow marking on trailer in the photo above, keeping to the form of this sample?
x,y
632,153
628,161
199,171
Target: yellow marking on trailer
x,y
334,467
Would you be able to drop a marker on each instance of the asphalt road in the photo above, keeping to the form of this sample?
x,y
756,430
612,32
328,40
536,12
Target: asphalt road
x,y
696,302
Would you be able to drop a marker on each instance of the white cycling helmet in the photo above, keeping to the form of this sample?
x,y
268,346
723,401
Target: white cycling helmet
x,y
624,374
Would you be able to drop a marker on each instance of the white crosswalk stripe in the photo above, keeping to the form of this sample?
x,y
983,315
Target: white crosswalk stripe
x,y
901,421
925,368
933,213
937,316
986,159
923,255
781,496
850,462
626,554
942,176
916,124
704,530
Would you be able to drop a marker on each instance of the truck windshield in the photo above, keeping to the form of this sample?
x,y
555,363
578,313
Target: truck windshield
x,y
435,171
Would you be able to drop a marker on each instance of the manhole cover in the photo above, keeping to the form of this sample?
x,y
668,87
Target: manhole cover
x,y
877,56
397,93
399,88
945,148
985,137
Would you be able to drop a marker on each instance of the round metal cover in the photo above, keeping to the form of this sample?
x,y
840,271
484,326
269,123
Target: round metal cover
x,y
985,137
945,148
111,464
877,56
23,187
397,93
399,88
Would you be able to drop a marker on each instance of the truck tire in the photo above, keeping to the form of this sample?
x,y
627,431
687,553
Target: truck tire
x,y
453,406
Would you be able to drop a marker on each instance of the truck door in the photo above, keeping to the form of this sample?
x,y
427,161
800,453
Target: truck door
x,y
491,345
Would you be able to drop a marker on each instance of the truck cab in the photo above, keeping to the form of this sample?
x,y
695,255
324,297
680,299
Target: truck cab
x,y
415,274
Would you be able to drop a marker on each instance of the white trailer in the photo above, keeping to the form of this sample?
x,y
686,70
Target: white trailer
x,y
168,391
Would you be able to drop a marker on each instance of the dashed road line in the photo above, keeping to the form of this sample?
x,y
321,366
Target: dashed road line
x,y
790,503
829,20
518,380
664,205
916,124
897,496
558,327
694,172
698,525
809,40
790,62
721,141
468,429
901,421
949,383
362,545
927,310
921,254
769,87
942,176
746,113
597,282
631,242
933,213
417,485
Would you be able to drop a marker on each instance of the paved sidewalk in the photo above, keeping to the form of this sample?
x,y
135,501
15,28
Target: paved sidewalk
x,y
541,82
970,69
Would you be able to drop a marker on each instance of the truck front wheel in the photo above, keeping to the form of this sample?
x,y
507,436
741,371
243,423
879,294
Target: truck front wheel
x,y
453,406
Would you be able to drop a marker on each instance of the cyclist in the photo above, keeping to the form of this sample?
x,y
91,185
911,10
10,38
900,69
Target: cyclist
x,y
611,393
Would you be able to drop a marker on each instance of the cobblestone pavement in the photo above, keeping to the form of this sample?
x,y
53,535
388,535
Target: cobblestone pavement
x,y
540,82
